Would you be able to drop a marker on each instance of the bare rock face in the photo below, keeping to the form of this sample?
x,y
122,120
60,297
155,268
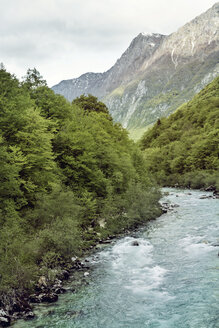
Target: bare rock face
x,y
101,84
85,84
198,37
156,74
129,65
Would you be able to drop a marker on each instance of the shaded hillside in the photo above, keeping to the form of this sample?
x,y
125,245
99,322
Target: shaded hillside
x,y
184,148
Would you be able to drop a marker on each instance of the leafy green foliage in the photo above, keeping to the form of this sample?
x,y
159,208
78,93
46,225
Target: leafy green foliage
x,y
91,104
33,80
64,169
183,148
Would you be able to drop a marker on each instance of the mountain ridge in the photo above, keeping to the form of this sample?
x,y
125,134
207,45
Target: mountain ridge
x,y
139,43
156,73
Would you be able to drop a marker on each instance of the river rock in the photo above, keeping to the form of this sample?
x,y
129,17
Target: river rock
x,y
5,319
205,197
215,244
210,188
174,205
165,207
168,207
63,275
49,297
74,259
135,243
216,194
77,264
57,288
106,241
21,305
29,315
42,284
42,281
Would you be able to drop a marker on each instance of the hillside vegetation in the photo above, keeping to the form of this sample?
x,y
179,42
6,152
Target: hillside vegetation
x,y
183,149
69,176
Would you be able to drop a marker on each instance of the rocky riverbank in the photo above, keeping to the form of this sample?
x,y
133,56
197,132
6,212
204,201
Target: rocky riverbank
x,y
152,272
21,305
48,290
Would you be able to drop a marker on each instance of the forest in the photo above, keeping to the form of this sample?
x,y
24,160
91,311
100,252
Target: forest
x,y
69,177
182,149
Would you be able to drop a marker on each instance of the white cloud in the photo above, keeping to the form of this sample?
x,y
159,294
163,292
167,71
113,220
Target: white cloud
x,y
66,38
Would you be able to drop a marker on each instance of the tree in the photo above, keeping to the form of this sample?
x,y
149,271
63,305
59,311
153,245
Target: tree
x,y
90,103
11,162
32,80
39,169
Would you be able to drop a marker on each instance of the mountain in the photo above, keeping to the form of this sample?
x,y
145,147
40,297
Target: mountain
x,y
124,70
156,73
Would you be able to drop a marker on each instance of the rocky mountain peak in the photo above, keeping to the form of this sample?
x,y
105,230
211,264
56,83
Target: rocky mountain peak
x,y
200,34
128,65
99,84
215,8
156,73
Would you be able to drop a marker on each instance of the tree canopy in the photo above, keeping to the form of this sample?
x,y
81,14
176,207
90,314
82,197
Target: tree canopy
x,y
64,168
91,104
183,148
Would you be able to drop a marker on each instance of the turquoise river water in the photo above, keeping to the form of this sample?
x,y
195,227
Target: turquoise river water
x,y
171,280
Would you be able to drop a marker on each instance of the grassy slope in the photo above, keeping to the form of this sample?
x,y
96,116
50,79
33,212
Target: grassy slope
x,y
183,148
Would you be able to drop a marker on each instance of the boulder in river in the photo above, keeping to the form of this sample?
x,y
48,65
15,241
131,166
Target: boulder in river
x,y
135,243
168,207
215,244
216,194
205,197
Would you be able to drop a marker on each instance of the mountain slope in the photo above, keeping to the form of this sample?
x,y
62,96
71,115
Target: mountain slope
x,y
183,64
156,73
126,67
183,148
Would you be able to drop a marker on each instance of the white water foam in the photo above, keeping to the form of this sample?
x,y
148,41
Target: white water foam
x,y
135,267
195,245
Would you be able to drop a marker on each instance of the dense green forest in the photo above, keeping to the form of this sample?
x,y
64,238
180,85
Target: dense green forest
x,y
183,149
69,176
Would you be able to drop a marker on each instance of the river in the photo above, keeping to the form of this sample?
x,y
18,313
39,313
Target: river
x,y
170,280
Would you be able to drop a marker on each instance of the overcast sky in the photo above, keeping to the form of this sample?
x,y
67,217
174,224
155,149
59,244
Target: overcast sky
x,y
66,38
